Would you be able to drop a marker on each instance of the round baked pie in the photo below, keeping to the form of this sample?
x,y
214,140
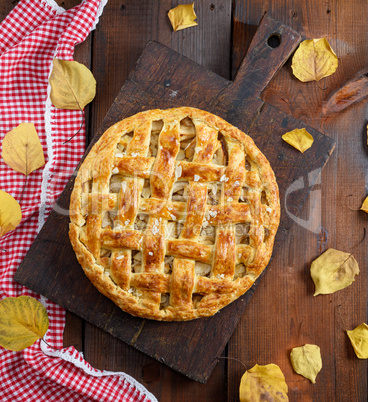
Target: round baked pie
x,y
174,214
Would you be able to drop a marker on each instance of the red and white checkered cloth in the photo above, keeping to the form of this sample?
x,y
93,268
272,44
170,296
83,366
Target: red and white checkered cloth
x,y
35,32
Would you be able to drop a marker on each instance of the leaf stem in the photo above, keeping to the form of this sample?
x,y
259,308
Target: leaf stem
x,y
361,241
324,85
351,209
50,346
231,358
80,128
354,249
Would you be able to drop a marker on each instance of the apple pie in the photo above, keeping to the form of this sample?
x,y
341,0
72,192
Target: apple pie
x,y
174,214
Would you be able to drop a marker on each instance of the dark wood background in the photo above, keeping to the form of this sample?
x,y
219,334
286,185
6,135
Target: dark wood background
x,y
283,312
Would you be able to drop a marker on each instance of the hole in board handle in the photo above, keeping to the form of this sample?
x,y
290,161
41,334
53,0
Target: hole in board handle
x,y
274,40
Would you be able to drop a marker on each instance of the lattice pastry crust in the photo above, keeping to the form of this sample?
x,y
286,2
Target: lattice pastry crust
x,y
174,214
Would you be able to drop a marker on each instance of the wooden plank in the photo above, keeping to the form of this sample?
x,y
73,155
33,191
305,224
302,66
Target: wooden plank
x,y
183,346
5,8
110,353
264,334
208,43
271,325
125,28
73,331
115,321
134,24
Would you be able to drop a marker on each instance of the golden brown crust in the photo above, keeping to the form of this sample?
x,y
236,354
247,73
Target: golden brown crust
x,y
169,254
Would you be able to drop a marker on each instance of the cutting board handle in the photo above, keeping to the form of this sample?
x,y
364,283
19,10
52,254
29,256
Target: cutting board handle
x,y
271,46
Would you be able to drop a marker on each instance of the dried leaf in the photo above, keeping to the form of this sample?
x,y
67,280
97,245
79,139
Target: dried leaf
x,y
22,149
307,361
359,340
10,213
73,86
299,139
23,320
333,270
182,16
364,206
263,383
314,59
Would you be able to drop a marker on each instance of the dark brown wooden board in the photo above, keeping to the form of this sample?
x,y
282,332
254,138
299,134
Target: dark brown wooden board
x,y
163,78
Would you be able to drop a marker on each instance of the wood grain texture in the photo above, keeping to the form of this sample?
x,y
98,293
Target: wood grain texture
x,y
271,325
126,27
134,24
190,347
275,322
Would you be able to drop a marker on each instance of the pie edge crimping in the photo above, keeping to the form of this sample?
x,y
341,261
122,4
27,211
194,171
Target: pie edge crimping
x,y
221,288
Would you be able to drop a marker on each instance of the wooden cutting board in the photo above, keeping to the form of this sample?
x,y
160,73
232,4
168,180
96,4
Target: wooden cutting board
x,y
162,79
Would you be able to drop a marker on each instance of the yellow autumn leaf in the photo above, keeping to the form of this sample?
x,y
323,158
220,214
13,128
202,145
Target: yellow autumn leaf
x,y
23,320
10,213
314,59
364,206
333,270
182,16
359,339
263,383
299,139
307,361
73,86
22,149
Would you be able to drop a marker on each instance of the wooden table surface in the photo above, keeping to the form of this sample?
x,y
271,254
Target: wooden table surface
x,y
283,312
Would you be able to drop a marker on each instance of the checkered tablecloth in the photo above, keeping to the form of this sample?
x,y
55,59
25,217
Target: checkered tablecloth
x,y
35,32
